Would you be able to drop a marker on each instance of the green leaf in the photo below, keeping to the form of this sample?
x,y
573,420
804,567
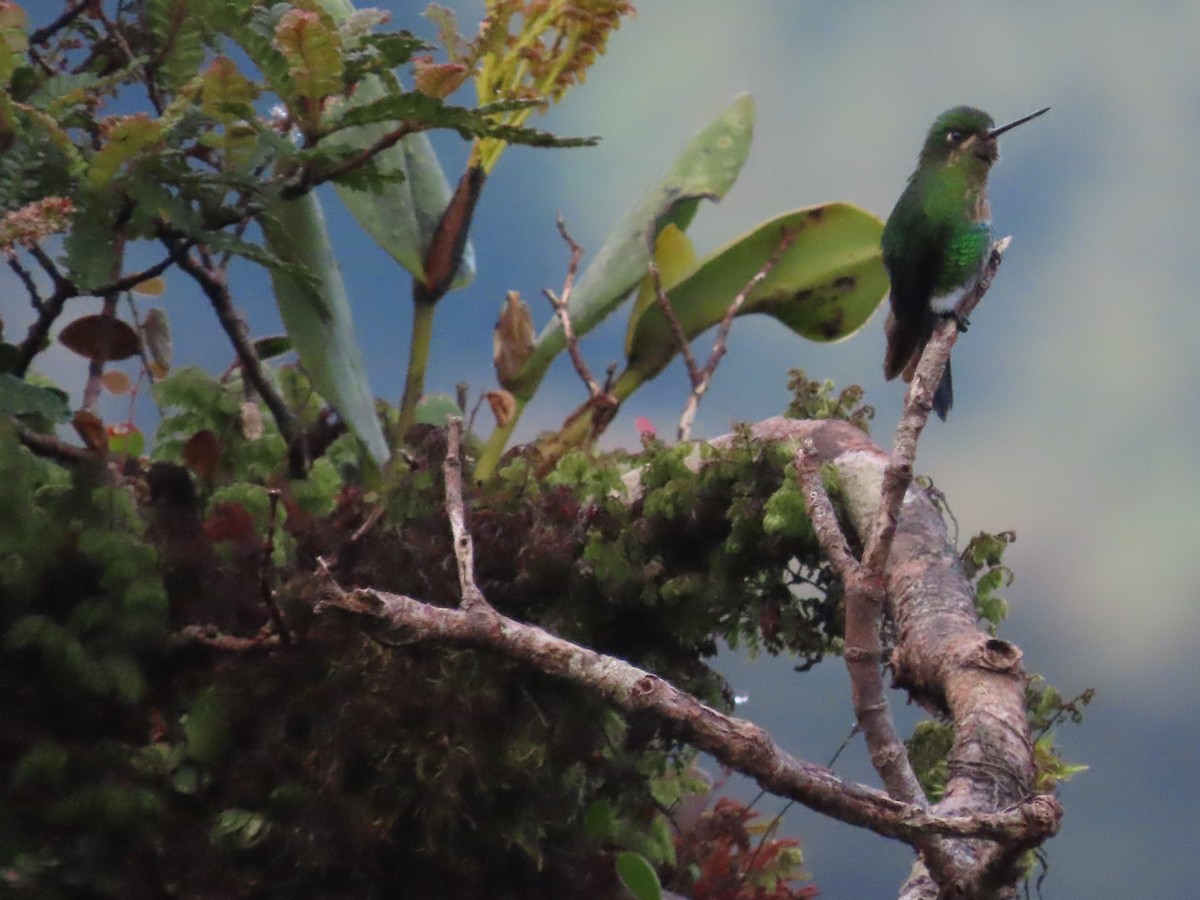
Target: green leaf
x,y
437,409
706,169
240,829
227,94
127,139
316,315
207,728
312,48
401,214
19,398
90,246
599,822
824,287
180,30
638,876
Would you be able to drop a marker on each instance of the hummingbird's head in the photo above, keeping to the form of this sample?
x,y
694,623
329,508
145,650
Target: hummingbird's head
x,y
966,136
961,135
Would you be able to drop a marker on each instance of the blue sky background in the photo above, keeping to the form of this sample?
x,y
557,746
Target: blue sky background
x,y
1076,418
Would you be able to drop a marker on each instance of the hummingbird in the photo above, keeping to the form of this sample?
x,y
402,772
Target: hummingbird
x,y
937,239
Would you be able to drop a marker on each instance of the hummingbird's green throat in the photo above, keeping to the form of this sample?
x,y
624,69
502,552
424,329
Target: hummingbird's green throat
x,y
936,240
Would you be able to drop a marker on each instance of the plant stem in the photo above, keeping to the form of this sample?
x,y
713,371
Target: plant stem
x,y
489,457
418,357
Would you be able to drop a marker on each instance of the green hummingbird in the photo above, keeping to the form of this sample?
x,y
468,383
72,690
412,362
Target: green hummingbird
x,y
937,239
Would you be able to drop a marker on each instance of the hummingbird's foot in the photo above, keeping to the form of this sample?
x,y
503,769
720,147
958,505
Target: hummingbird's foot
x,y
961,321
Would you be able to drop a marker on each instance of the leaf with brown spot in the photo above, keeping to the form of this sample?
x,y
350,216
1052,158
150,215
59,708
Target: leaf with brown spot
x,y
824,286
100,338
91,430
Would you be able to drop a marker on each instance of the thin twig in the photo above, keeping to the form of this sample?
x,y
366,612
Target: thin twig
x,y
668,311
69,15
213,284
702,377
561,308
209,636
464,548
35,298
309,178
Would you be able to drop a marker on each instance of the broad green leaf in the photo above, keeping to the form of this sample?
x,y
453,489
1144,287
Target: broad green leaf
x,y
399,215
638,876
675,258
707,168
824,287
20,398
316,314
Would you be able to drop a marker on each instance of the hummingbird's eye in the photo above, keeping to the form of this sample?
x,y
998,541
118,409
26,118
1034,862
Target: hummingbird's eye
x,y
953,137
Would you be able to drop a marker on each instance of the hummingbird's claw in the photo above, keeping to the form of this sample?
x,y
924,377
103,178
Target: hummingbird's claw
x,y
959,320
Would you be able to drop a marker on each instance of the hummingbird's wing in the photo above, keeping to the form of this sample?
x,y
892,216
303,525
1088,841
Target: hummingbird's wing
x,y
913,257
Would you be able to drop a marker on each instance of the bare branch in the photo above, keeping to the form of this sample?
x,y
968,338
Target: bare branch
x,y
464,548
864,649
68,16
51,447
736,743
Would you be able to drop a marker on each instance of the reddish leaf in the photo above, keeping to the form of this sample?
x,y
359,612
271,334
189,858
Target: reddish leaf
x,y
202,453
438,80
91,430
101,338
230,522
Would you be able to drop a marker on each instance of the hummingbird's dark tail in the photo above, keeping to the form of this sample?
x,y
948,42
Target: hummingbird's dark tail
x,y
906,343
943,397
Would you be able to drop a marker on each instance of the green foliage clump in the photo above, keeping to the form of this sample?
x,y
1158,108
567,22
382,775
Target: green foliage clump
x,y
815,400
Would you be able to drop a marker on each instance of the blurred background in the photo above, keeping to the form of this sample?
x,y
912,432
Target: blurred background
x,y
1076,418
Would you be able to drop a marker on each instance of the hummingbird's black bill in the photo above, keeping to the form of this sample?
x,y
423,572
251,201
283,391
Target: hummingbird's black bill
x,y
996,132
